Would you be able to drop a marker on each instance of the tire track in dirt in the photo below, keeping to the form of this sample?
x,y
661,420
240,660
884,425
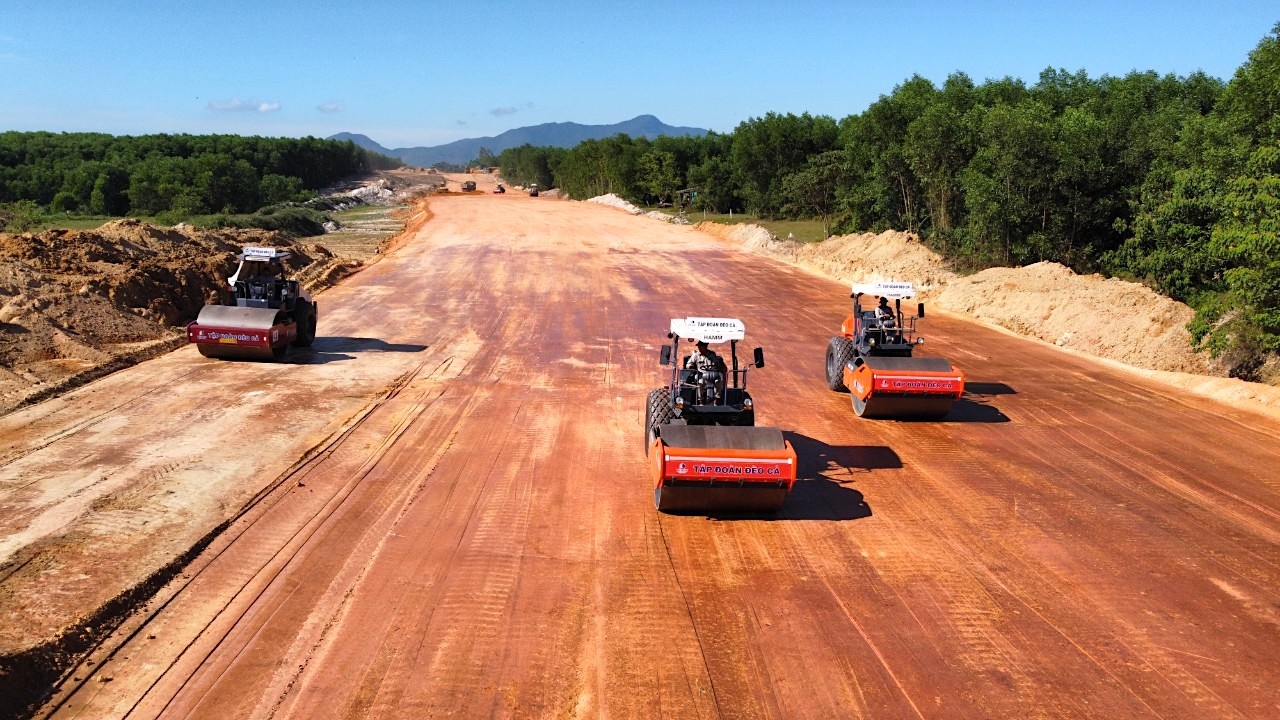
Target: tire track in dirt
x,y
1016,561
358,494
193,618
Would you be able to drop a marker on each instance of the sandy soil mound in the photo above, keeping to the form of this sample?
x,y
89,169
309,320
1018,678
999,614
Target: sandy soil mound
x,y
72,302
42,319
1113,319
865,257
1109,318
1120,322
614,201
75,305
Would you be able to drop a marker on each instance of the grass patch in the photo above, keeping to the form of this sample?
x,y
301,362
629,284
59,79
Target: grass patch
x,y
806,231
71,222
361,213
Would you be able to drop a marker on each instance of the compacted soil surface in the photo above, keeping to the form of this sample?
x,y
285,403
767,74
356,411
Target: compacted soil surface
x,y
443,508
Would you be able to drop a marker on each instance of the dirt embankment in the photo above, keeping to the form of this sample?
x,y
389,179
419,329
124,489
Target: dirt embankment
x,y
75,305
1122,322
78,304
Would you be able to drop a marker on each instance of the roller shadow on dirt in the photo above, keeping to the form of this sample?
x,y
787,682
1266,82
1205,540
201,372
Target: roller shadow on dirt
x,y
976,407
334,349
988,388
818,494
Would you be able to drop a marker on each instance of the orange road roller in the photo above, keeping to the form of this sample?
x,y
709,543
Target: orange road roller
x,y
872,360
706,453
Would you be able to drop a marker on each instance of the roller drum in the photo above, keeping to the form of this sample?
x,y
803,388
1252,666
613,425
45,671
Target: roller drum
x,y
709,469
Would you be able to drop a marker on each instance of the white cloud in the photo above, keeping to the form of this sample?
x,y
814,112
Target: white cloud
x,y
238,105
510,109
332,107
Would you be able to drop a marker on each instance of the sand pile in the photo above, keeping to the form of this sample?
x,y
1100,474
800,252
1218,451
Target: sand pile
x,y
614,201
1109,318
75,304
1123,323
865,257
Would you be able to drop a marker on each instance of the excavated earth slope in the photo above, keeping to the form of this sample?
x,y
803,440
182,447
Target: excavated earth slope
x,y
1122,322
77,304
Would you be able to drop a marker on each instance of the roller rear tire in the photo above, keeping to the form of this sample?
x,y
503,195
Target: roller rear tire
x,y
839,354
657,412
305,312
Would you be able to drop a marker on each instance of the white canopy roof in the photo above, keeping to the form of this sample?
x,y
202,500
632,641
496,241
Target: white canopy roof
x,y
263,253
712,330
891,290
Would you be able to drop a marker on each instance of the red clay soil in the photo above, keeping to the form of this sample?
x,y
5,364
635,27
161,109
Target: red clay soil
x,y
443,509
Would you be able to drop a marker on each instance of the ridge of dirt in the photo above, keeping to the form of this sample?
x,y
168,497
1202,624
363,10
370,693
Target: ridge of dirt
x,y
1125,324
76,305
613,200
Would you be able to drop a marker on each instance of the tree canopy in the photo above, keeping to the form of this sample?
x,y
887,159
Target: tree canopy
x,y
180,174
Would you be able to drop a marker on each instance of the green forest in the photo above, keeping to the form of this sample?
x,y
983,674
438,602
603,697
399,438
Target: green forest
x,y
1171,181
168,177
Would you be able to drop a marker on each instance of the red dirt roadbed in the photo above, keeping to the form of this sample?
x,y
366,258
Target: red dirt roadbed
x,y
481,541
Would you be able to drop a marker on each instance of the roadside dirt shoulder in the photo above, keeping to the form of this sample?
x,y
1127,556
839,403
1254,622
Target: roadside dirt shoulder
x,y
1124,323
109,489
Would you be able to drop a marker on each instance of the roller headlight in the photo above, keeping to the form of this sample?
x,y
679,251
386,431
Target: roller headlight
x,y
679,403
919,341
746,404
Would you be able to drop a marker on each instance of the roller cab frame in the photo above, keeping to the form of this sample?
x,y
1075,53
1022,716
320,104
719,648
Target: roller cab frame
x,y
873,360
270,314
705,451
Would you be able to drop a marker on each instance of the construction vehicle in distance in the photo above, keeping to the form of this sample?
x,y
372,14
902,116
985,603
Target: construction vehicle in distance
x,y
700,433
872,360
533,190
469,186
499,190
270,314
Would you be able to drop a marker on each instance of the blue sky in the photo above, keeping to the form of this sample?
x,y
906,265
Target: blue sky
x,y
410,73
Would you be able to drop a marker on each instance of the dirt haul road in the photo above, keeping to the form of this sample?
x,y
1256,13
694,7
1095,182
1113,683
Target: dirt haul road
x,y
480,541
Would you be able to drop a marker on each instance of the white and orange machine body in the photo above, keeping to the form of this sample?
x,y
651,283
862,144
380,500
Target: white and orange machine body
x,y
873,360
706,454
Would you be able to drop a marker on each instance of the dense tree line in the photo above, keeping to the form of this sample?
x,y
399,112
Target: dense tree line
x,y
180,175
1174,181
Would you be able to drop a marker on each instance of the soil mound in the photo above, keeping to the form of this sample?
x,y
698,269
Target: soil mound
x,y
76,301
1123,323
1109,318
864,257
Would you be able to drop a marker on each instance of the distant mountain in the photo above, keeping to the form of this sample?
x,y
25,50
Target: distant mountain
x,y
363,141
565,135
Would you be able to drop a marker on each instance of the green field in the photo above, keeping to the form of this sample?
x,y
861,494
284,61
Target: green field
x,y
799,230
69,222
